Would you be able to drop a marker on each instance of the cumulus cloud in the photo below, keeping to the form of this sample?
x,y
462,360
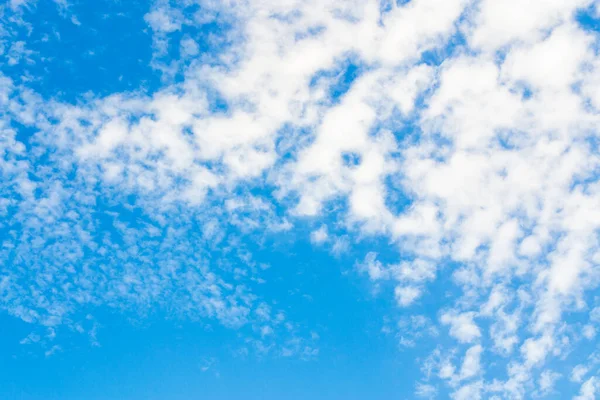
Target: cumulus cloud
x,y
471,364
547,381
578,372
320,235
462,326
588,390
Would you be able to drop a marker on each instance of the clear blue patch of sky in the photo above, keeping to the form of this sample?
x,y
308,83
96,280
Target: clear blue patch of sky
x,y
96,54
167,362
588,19
341,76
23,133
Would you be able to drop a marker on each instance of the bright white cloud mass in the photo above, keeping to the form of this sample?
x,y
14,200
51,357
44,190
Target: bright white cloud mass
x,y
461,134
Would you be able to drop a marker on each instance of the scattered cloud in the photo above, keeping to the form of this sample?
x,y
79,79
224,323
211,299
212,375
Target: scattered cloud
x,y
466,140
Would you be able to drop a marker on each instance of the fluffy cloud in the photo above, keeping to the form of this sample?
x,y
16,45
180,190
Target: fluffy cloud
x,y
588,390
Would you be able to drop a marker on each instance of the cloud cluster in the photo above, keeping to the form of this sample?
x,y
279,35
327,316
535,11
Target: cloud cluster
x,y
466,137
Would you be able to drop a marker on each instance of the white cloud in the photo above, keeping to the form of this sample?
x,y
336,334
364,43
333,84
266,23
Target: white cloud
x,y
320,235
462,326
589,332
471,391
425,391
406,295
15,4
588,390
552,64
496,23
578,372
471,364
547,382
535,350
164,19
188,47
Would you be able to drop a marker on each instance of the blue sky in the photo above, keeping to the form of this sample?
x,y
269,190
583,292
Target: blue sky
x,y
333,199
